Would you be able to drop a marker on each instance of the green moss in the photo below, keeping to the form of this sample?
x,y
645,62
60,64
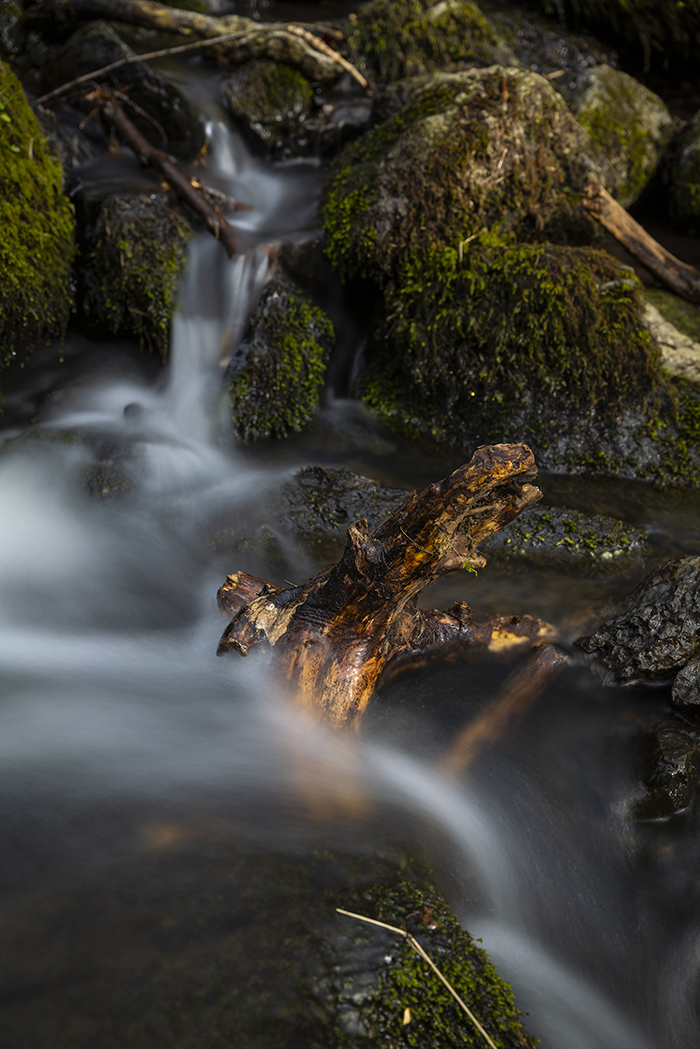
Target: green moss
x,y
407,982
277,389
629,128
399,38
36,219
466,152
462,342
270,98
135,253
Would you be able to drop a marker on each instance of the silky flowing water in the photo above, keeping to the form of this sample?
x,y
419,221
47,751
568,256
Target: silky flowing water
x,y
121,732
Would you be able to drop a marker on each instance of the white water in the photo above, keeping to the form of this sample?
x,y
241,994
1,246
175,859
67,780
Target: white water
x,y
112,692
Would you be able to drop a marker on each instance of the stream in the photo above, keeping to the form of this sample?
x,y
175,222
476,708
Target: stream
x,y
121,734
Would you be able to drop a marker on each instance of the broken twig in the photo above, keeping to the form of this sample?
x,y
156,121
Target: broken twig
x,y
677,275
161,162
413,943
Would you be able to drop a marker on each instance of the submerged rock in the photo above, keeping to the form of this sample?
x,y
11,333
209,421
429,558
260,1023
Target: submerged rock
x,y
493,147
133,255
193,939
401,38
656,633
96,45
672,771
276,375
629,126
684,190
319,503
36,244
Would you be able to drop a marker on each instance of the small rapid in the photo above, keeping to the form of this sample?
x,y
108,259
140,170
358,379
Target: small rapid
x,y
115,709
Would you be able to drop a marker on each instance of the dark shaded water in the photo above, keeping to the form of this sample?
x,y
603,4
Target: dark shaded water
x,y
131,757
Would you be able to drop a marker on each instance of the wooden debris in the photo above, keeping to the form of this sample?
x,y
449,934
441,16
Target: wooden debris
x,y
677,275
336,635
161,162
230,38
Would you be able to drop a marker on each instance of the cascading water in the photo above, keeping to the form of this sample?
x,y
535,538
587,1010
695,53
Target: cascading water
x,y
115,711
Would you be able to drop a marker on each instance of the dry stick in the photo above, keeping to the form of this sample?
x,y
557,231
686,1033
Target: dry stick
x,y
323,47
135,58
413,942
155,158
679,276
518,693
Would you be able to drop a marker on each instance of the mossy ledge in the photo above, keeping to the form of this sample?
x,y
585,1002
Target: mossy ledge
x,y
469,343
36,244
277,373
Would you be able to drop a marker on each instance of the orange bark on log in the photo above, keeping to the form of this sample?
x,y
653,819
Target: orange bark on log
x,y
335,636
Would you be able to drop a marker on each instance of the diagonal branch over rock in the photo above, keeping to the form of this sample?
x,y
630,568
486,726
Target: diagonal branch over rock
x,y
335,635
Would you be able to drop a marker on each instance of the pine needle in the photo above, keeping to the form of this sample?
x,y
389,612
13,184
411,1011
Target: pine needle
x,y
413,942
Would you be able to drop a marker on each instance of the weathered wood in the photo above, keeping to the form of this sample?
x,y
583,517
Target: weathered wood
x,y
335,635
677,275
161,162
244,40
515,698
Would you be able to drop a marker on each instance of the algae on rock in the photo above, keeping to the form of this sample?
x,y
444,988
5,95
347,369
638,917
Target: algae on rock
x,y
393,39
134,254
629,127
277,373
468,151
36,244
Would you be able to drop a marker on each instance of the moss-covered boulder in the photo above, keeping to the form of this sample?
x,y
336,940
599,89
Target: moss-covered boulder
x,y
269,99
132,258
95,45
684,192
468,151
629,127
277,373
506,336
36,219
401,38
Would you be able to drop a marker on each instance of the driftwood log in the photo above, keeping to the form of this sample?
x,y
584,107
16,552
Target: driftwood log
x,y
244,40
677,275
334,636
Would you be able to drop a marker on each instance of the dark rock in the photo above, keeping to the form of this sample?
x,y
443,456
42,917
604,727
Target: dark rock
x,y
279,108
96,45
277,373
656,633
548,49
11,30
132,258
567,540
672,772
684,189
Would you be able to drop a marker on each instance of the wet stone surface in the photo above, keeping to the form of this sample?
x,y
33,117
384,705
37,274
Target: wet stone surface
x,y
672,771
